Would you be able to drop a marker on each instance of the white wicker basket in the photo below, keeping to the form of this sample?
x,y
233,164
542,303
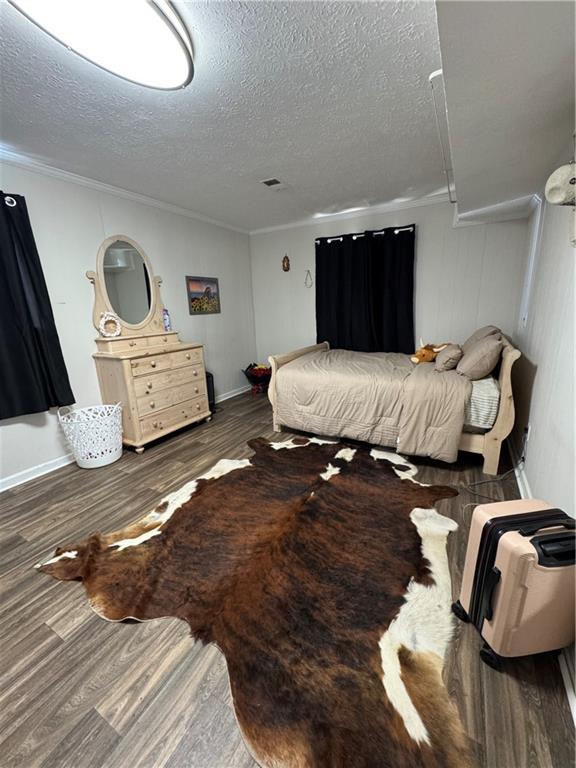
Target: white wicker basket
x,y
94,433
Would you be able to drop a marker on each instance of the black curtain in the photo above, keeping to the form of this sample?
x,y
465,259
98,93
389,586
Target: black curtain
x,y
365,291
33,376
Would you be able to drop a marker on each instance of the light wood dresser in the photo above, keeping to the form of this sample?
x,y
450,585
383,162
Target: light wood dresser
x,y
159,379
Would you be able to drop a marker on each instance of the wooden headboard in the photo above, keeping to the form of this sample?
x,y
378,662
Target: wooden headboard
x,y
489,443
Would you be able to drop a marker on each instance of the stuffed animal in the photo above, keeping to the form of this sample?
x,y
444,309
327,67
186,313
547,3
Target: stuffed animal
x,y
427,353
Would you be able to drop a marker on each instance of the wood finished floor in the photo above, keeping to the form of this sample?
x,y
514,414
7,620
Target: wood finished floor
x,y
78,692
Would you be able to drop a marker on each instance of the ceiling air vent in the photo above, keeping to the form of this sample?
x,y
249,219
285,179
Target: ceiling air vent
x,y
271,182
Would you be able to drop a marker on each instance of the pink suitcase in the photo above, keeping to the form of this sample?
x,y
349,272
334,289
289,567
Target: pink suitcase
x,y
518,580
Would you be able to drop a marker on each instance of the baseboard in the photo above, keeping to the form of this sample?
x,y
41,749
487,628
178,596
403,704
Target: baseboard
x,y
563,659
564,663
521,477
33,472
233,393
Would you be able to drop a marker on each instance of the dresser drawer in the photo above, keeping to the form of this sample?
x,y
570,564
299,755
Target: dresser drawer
x,y
163,361
163,340
143,365
170,418
186,357
155,382
167,397
122,344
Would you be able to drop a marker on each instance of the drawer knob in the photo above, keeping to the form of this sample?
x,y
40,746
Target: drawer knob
x,y
149,384
194,373
196,390
156,424
187,355
132,343
165,338
152,403
153,363
197,406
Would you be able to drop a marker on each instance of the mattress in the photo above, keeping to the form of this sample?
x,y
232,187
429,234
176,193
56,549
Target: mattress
x,y
482,408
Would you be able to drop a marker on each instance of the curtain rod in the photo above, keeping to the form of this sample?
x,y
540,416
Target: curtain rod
x,y
363,234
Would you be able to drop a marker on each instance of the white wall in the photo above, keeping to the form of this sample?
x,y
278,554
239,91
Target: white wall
x,y
69,222
544,376
465,277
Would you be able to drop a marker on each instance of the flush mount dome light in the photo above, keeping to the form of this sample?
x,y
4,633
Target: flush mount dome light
x,y
143,41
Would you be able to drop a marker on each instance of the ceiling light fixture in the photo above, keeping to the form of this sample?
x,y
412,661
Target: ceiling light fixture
x,y
143,41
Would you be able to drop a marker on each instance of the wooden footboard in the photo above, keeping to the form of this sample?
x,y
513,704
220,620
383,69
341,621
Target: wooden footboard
x,y
489,443
276,362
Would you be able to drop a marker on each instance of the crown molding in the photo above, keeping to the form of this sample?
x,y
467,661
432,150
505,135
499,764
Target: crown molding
x,y
382,208
507,210
31,164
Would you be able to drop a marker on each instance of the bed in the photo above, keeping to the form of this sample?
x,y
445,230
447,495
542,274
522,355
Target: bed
x,y
384,399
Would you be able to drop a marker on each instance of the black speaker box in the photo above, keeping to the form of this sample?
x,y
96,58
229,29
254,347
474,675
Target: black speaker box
x,y
210,390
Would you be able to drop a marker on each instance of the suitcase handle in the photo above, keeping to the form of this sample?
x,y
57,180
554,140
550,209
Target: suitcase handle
x,y
558,522
492,581
555,550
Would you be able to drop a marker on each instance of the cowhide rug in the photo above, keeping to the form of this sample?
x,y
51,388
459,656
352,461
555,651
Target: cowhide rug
x,y
320,571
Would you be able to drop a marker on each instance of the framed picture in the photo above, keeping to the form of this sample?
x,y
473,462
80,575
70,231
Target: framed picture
x,y
203,295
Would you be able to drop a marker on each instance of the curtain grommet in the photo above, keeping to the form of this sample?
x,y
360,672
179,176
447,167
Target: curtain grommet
x,y
10,202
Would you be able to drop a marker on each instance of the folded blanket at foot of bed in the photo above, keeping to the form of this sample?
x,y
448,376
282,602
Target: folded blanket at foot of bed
x,y
432,415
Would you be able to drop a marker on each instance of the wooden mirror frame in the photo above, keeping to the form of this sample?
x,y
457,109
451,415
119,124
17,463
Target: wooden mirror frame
x,y
154,321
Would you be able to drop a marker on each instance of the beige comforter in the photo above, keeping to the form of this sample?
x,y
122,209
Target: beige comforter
x,y
379,398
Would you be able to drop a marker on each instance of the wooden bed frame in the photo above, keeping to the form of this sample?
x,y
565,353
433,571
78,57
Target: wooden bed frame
x,y
487,443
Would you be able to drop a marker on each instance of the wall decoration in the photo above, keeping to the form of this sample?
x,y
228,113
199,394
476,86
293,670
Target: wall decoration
x,y
203,295
308,282
286,263
109,325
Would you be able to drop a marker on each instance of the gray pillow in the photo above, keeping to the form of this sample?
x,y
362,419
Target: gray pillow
x,y
449,357
481,333
481,359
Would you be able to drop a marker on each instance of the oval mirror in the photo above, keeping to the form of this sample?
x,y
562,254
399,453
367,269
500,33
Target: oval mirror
x,y
127,282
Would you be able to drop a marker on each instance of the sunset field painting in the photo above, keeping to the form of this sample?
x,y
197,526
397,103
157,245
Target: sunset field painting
x,y
203,295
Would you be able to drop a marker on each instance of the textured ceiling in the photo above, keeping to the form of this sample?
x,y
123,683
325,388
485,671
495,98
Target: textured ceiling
x,y
330,97
509,79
